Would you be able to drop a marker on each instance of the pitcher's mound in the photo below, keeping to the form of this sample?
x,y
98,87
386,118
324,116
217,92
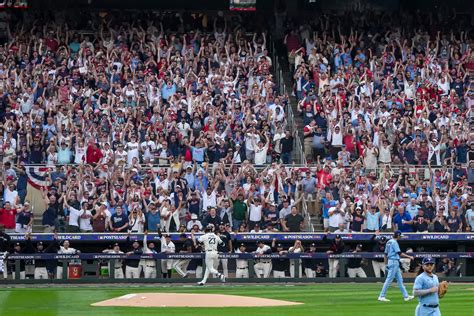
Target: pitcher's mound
x,y
190,300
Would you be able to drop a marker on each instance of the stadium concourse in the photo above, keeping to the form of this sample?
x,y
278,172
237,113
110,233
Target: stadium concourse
x,y
159,122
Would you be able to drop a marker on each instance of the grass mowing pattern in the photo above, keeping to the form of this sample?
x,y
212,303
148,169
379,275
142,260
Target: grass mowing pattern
x,y
320,299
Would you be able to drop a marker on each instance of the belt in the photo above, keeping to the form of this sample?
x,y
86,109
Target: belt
x,y
243,268
431,305
118,267
151,266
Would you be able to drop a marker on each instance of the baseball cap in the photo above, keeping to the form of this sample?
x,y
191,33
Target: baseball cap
x,y
194,216
116,244
398,233
17,244
428,260
383,239
313,245
279,246
338,236
242,245
359,246
259,242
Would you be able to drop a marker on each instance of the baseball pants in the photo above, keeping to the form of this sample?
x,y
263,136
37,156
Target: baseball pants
x,y
141,267
310,273
131,272
333,267
22,275
241,273
118,272
393,268
263,269
427,311
379,267
198,272
166,264
293,263
150,271
278,274
356,272
225,269
3,266
59,272
41,273
212,258
181,266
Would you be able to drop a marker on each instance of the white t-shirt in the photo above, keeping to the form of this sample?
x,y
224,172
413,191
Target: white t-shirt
x,y
120,156
149,147
74,216
261,155
85,223
79,154
255,213
210,241
336,218
135,224
209,200
10,196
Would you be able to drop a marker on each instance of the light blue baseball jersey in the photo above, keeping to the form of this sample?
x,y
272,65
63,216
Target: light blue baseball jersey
x,y
392,250
425,282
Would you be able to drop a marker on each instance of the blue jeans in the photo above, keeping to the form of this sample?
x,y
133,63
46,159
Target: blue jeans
x,y
285,158
427,311
393,272
236,223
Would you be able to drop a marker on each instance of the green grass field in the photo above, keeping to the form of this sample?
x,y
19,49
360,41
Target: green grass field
x,y
318,299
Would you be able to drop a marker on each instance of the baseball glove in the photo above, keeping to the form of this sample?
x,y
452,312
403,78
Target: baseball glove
x,y
442,289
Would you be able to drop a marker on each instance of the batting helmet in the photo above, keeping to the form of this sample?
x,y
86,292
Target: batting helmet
x,y
209,228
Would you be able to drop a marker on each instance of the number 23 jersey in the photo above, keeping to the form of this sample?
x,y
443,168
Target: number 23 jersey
x,y
210,241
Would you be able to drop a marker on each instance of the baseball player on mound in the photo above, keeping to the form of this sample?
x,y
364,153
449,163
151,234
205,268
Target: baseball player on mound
x,y
428,290
210,241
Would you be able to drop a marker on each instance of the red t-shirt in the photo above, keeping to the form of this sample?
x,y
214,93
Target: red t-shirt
x,y
93,155
7,218
348,140
324,178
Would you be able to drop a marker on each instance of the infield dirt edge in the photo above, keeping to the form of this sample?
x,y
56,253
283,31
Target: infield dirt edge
x,y
190,300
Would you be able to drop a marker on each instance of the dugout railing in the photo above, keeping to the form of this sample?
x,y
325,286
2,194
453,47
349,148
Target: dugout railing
x,y
98,258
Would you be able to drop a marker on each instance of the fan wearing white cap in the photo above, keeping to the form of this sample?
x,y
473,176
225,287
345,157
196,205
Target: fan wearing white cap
x,y
194,221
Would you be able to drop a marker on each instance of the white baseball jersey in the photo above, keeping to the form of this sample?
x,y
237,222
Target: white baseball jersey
x,y
210,241
262,251
169,248
241,263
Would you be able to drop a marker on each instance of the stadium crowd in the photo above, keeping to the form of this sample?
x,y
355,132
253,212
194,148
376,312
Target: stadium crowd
x,y
378,90
102,106
175,122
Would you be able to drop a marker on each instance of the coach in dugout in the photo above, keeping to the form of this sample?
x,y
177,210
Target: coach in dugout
x,y
41,271
131,265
